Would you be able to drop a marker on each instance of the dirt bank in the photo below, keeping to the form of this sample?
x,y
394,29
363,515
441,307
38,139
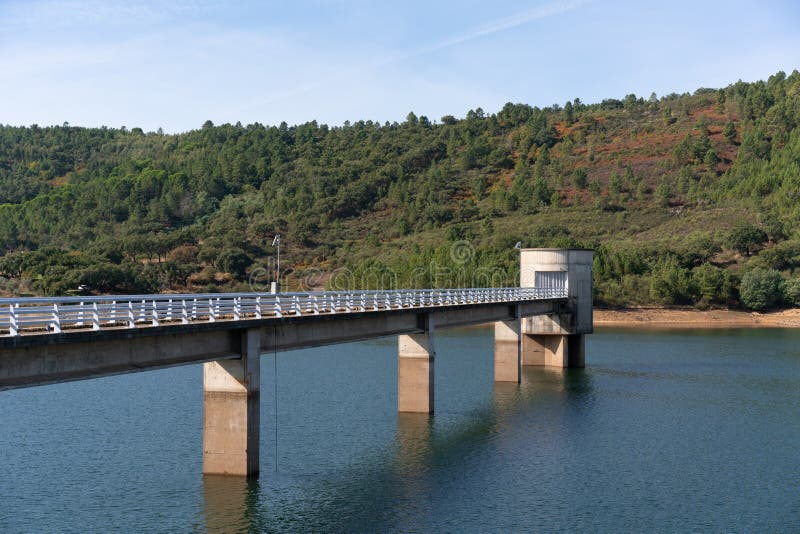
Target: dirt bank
x,y
688,318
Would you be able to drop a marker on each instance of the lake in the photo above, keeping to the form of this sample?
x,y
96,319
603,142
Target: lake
x,y
663,431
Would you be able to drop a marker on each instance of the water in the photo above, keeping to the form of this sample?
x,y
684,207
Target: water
x,y
662,432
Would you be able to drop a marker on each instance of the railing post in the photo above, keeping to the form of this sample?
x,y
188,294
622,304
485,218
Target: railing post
x,y
13,329
258,307
278,309
236,308
154,313
131,318
95,317
212,315
56,319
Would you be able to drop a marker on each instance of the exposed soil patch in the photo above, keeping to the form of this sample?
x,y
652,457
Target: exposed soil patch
x,y
689,319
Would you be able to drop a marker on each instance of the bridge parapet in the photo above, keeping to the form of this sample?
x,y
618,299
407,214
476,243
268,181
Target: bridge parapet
x,y
57,315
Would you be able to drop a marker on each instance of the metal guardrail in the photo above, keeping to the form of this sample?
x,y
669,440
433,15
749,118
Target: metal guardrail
x,y
41,315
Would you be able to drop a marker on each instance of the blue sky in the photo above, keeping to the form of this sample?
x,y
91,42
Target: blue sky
x,y
174,64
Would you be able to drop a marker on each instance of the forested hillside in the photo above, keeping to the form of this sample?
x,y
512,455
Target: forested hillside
x,y
687,199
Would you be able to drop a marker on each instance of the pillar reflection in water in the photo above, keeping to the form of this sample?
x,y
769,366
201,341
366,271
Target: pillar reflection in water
x,y
230,503
413,443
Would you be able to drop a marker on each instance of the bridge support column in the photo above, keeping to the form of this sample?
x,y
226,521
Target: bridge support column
x,y
576,348
507,358
415,371
558,351
231,394
532,349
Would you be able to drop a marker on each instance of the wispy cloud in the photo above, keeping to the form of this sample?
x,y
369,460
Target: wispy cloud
x,y
53,14
504,24
493,27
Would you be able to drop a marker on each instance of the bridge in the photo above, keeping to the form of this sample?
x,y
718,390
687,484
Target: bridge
x,y
51,340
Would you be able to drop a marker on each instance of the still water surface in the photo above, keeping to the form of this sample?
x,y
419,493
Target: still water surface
x,y
661,432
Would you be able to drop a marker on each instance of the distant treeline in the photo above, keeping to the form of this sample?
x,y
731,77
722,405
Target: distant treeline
x,y
688,199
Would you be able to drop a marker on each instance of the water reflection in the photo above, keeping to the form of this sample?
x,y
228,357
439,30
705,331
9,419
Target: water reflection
x,y
230,503
413,443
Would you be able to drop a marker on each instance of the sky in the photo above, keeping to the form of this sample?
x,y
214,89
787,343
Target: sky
x,y
175,64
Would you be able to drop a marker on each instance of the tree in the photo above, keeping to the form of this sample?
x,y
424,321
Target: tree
x,y
761,289
667,116
541,192
233,260
579,178
671,284
615,184
792,291
755,145
714,285
730,132
710,159
663,194
569,113
745,237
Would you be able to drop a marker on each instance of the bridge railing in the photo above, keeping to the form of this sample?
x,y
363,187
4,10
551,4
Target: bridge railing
x,y
39,315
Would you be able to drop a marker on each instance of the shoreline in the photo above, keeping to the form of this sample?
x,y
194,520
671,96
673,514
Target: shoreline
x,y
677,319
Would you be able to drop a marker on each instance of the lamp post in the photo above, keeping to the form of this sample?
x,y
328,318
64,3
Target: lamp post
x,y
276,242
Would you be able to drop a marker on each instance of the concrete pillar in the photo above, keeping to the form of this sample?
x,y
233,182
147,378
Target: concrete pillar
x,y
576,351
507,351
415,371
231,394
553,350
532,349
556,351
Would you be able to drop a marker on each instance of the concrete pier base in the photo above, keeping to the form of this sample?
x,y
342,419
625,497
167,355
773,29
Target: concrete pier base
x,y
559,351
231,394
532,350
556,351
415,372
507,351
576,349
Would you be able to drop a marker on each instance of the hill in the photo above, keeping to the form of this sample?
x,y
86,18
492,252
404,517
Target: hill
x,y
688,199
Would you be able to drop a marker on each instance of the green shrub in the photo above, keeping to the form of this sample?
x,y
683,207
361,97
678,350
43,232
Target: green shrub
x,y
792,291
671,284
761,289
714,285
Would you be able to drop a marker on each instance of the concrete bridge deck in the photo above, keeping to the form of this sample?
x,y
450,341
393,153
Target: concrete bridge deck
x,y
91,338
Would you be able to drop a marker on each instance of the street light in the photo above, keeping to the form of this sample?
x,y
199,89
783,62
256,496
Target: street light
x,y
276,242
